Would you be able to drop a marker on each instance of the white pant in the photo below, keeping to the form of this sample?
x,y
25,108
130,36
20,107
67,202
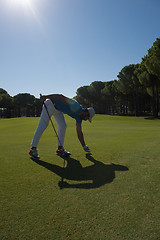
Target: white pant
x,y
44,121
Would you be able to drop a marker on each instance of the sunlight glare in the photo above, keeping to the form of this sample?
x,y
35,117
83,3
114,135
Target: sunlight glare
x,y
24,3
26,9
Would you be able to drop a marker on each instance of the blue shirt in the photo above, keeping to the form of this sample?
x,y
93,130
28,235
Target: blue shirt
x,y
71,108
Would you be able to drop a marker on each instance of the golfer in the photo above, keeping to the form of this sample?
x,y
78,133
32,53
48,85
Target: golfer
x,y
57,105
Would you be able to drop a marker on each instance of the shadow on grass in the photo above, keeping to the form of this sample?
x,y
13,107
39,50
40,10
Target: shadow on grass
x,y
151,118
99,173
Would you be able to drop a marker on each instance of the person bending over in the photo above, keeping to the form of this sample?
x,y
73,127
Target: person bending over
x,y
58,105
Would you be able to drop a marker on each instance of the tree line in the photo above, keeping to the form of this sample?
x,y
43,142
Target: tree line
x,y
23,104
135,92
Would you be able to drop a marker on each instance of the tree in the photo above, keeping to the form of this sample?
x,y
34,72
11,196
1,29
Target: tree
x,y
2,91
149,74
91,95
109,94
37,107
6,104
152,60
24,104
94,90
130,86
83,96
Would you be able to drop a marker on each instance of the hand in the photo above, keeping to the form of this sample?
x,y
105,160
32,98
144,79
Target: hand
x,y
42,98
86,149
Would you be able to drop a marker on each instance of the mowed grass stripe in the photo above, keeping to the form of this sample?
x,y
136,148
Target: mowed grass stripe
x,y
122,205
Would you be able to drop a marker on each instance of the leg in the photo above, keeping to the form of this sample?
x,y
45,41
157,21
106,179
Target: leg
x,y
43,122
61,127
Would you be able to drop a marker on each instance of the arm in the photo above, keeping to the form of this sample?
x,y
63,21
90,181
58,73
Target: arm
x,y
81,138
80,134
54,96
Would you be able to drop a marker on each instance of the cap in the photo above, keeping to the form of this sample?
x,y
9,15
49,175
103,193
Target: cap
x,y
91,113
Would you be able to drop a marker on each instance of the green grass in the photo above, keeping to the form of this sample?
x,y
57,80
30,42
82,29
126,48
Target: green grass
x,y
99,200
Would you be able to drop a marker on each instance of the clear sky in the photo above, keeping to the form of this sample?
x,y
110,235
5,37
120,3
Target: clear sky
x,y
57,46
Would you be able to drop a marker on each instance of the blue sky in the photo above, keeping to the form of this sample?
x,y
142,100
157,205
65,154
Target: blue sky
x,y
57,46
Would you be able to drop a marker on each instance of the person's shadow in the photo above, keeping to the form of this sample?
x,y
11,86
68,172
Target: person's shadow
x,y
98,173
